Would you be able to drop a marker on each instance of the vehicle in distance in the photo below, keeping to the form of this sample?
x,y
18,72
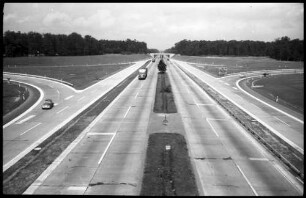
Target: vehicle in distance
x,y
48,104
142,73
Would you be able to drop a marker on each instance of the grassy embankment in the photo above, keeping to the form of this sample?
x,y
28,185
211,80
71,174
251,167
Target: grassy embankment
x,y
289,89
13,96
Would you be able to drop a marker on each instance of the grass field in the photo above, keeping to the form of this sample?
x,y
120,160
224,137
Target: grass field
x,y
289,89
12,96
238,64
81,71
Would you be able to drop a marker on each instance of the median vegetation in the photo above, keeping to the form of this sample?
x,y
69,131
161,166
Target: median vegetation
x,y
168,171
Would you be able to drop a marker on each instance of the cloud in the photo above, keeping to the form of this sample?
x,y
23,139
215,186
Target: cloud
x,y
7,17
57,19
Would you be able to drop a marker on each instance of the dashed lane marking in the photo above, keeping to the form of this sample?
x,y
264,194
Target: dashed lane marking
x,y
69,97
26,119
62,109
30,129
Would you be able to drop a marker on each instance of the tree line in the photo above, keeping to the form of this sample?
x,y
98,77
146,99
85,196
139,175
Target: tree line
x,y
36,44
281,48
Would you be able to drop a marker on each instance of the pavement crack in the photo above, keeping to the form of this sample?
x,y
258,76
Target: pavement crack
x,y
112,183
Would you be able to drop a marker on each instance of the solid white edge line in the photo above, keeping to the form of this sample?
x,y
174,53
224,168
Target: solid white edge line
x,y
42,95
30,129
254,191
237,84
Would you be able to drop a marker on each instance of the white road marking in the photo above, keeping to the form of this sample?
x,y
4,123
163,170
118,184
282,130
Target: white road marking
x,y
100,160
69,97
81,98
62,109
42,95
127,111
281,121
136,94
227,84
258,159
207,119
247,180
55,104
81,188
297,157
30,129
101,133
26,119
237,84
235,88
204,104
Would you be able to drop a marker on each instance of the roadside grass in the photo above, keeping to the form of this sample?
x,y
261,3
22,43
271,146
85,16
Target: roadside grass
x,y
289,88
12,96
164,98
81,71
168,172
238,64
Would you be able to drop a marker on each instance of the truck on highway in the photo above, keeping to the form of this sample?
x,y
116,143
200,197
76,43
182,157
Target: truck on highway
x,y
142,73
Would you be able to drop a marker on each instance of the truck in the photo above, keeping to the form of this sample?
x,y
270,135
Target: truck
x,y
142,73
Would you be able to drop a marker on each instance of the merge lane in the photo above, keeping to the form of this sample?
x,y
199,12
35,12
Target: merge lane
x,y
109,159
227,160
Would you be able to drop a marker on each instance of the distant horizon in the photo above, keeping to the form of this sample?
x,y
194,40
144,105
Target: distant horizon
x,y
160,25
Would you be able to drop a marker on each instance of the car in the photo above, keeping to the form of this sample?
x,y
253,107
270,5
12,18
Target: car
x,y
48,104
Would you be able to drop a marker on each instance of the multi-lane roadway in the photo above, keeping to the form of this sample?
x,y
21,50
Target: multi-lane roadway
x,y
108,157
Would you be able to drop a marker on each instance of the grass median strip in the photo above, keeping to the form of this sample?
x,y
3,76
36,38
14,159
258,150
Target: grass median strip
x,y
21,175
168,171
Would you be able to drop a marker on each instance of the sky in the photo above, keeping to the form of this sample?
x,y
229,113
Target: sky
x,y
160,25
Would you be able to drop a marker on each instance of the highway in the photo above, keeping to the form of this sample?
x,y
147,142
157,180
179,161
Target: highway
x,y
286,126
227,160
108,157
33,127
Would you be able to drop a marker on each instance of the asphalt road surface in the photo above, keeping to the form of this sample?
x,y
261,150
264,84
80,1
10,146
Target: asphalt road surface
x,y
287,125
108,158
228,161
32,128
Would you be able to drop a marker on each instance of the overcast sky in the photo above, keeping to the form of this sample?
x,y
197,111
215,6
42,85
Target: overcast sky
x,y
160,25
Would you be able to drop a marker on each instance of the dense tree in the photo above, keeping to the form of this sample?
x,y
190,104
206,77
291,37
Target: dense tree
x,y
32,43
281,49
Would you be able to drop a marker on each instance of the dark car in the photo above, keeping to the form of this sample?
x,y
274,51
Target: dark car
x,y
48,104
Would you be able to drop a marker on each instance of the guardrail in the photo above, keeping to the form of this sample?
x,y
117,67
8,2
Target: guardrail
x,y
36,76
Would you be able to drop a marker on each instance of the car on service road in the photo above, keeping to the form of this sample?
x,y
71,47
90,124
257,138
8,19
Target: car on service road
x,y
48,104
